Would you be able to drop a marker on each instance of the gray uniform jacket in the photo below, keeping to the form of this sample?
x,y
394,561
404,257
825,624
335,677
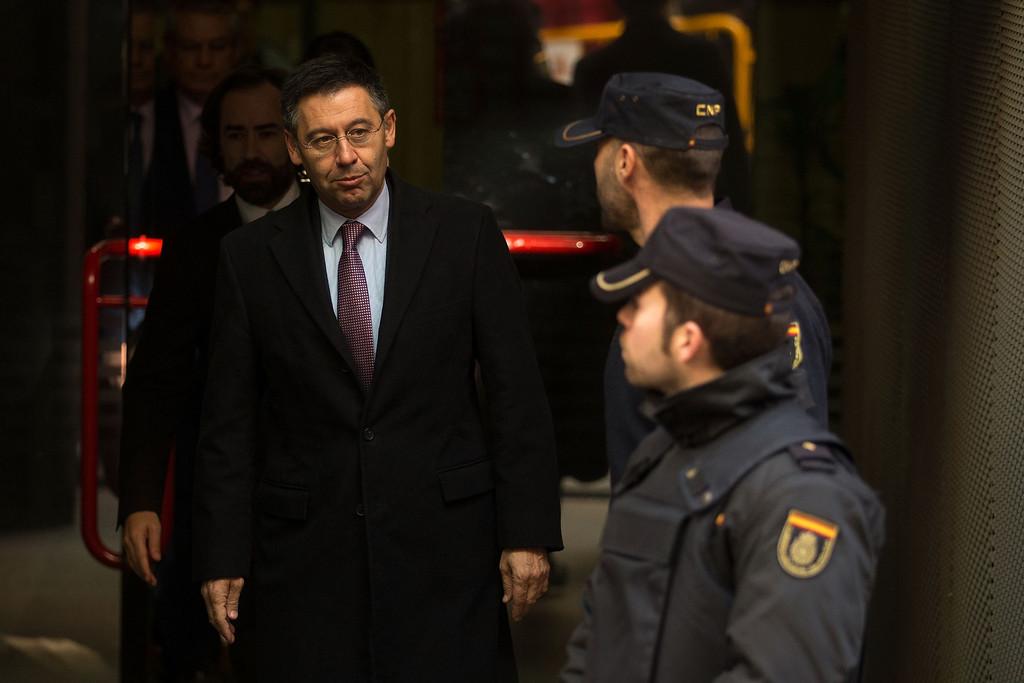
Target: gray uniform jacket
x,y
740,545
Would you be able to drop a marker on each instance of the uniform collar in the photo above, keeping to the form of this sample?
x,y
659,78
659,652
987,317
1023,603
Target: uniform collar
x,y
698,415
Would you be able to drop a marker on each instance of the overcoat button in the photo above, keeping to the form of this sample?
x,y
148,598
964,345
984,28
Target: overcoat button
x,y
360,510
368,434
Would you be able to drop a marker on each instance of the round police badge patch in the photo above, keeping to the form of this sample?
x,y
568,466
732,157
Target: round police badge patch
x,y
805,545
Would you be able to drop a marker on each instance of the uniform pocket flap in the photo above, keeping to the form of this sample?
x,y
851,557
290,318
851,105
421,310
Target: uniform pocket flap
x,y
282,501
467,480
646,537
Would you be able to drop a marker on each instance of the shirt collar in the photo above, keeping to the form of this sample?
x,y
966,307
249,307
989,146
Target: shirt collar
x,y
375,218
187,109
251,212
145,109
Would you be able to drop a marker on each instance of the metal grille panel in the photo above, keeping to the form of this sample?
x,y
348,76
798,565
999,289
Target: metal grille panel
x,y
935,328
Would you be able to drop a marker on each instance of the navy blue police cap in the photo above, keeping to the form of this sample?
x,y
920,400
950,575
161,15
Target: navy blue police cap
x,y
661,110
719,256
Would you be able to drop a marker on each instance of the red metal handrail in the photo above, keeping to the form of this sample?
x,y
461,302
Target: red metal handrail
x,y
583,243
519,242
92,302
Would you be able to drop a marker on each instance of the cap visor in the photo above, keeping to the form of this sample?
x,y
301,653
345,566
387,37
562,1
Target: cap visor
x,y
578,133
620,282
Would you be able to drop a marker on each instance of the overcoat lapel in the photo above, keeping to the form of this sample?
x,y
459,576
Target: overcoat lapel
x,y
301,258
410,234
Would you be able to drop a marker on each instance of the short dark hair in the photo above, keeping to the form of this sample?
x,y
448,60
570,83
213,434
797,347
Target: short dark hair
x,y
338,43
734,338
327,75
693,169
244,78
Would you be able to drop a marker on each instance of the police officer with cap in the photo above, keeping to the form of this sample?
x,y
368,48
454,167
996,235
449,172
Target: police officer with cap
x,y
660,140
742,544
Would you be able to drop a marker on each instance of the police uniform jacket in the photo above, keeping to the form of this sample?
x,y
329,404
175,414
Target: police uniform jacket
x,y
741,545
626,425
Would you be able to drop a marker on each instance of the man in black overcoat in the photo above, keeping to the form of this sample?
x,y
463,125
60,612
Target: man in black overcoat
x,y
357,516
162,394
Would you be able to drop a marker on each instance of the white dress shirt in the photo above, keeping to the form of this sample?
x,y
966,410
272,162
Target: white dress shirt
x,y
251,212
372,248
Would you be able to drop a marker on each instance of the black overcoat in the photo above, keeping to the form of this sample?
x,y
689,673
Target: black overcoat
x,y
368,527
163,388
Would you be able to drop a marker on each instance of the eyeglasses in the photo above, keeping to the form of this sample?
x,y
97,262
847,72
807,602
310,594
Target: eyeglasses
x,y
357,137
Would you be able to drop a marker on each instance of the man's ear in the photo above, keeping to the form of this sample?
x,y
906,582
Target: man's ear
x,y
293,150
390,124
626,160
688,343
692,356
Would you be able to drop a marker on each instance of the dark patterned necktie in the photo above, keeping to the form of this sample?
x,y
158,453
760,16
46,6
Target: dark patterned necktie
x,y
354,303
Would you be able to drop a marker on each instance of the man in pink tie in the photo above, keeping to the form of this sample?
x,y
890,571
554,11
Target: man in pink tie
x,y
359,515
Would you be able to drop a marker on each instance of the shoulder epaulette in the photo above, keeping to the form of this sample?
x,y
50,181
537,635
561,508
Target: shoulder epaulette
x,y
812,457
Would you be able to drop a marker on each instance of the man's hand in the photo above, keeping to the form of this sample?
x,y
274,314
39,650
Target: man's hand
x,y
141,540
524,573
221,596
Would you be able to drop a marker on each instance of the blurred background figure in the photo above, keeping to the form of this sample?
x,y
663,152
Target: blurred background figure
x,y
500,109
201,47
243,135
141,88
649,43
498,97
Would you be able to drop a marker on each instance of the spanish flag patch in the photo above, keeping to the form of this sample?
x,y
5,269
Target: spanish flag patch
x,y
794,334
805,545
